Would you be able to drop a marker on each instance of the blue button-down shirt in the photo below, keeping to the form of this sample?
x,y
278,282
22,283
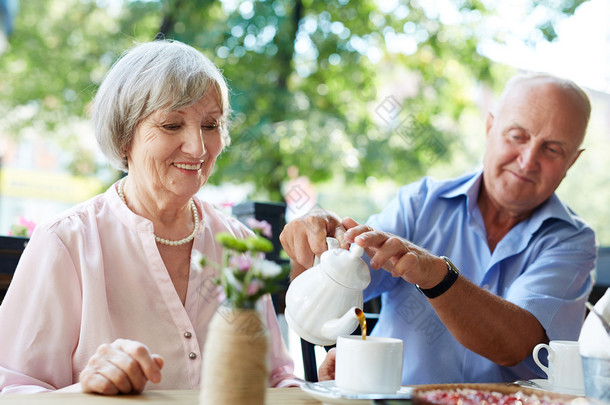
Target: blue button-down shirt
x,y
543,264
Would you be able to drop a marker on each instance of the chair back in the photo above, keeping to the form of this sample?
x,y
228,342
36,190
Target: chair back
x,y
11,248
602,274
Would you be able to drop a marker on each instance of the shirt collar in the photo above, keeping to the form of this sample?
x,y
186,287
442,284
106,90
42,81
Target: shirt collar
x,y
551,208
468,187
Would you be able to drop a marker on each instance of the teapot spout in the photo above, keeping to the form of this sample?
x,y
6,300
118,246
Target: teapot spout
x,y
345,325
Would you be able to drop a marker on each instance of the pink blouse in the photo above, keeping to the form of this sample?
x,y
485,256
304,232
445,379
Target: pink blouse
x,y
93,275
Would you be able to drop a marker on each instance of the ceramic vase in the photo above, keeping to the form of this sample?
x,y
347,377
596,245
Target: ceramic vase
x,y
235,367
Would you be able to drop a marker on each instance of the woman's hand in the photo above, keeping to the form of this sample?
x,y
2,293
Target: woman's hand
x,y
396,255
305,237
326,371
122,367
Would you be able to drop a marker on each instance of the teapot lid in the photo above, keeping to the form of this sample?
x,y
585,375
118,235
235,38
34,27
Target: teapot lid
x,y
346,266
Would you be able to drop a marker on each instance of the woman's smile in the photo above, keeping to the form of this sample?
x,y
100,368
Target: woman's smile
x,y
189,167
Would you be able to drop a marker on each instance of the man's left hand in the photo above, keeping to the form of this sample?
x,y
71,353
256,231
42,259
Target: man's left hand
x,y
396,255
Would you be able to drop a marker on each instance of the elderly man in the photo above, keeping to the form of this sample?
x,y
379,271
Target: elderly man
x,y
524,257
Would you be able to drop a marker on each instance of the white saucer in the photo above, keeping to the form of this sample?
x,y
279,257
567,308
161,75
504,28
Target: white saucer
x,y
544,385
329,393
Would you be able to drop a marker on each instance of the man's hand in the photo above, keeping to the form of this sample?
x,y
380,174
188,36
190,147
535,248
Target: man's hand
x,y
396,255
124,366
326,371
305,237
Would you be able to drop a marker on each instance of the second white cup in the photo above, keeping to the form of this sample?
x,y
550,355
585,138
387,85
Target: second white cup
x,y
565,365
373,365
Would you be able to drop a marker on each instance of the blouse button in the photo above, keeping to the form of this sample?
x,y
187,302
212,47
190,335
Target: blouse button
x,y
187,335
192,356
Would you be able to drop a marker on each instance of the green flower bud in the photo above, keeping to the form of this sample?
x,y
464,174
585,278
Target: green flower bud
x,y
259,244
230,242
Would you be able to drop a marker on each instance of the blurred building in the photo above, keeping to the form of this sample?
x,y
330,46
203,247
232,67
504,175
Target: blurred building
x,y
35,184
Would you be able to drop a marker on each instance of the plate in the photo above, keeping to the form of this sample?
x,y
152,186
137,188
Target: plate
x,y
543,384
329,393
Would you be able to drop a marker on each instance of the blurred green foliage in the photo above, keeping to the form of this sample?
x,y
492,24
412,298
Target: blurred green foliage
x,y
316,85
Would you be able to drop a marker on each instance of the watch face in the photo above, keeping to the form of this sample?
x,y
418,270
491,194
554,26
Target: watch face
x,y
450,264
445,284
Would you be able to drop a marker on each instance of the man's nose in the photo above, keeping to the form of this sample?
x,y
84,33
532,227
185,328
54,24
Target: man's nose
x,y
528,158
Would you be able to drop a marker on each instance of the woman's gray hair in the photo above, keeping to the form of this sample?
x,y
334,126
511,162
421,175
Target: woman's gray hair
x,y
159,75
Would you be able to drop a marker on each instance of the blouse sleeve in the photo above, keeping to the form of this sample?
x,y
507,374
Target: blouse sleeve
x,y
42,305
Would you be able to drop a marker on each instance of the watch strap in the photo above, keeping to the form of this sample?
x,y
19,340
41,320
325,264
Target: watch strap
x,y
445,284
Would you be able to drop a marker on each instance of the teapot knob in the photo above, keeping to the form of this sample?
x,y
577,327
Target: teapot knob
x,y
356,251
333,243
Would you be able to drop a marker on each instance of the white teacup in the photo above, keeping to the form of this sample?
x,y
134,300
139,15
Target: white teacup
x,y
373,365
565,365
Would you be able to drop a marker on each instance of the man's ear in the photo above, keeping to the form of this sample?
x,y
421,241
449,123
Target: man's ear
x,y
576,156
489,122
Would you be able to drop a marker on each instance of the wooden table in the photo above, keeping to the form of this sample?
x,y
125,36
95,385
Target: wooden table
x,y
275,396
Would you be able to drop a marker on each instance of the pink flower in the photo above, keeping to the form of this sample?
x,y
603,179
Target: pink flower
x,y
254,287
240,262
23,227
30,225
263,227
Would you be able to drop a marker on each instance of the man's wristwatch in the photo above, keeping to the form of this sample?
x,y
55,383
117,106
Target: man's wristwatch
x,y
452,275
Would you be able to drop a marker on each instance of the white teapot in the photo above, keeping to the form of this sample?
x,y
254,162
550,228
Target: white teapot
x,y
321,302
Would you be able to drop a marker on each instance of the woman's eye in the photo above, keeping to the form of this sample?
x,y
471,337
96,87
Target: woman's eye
x,y
171,127
211,126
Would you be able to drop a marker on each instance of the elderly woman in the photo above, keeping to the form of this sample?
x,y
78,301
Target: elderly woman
x,y
104,298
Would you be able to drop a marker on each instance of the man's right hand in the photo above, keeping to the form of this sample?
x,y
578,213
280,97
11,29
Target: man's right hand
x,y
326,371
305,237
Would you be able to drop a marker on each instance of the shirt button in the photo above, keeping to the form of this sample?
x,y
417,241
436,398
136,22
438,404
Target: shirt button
x,y
187,335
192,356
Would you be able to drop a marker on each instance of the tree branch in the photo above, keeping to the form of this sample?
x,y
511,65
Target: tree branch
x,y
169,19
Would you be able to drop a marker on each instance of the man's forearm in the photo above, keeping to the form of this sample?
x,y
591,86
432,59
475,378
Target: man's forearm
x,y
487,324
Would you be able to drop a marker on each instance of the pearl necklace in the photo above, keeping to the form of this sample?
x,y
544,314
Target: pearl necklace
x,y
166,241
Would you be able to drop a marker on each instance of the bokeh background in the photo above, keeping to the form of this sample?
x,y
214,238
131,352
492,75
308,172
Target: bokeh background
x,y
335,103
